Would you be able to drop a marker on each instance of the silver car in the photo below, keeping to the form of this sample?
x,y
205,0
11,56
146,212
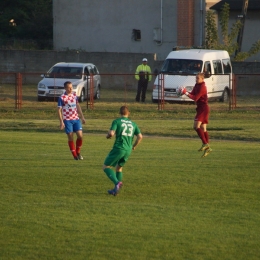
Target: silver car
x,y
81,75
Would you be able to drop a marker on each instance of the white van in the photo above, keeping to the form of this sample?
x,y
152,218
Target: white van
x,y
52,84
180,69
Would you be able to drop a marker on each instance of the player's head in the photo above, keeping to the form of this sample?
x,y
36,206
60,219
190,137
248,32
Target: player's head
x,y
199,77
66,83
68,87
124,111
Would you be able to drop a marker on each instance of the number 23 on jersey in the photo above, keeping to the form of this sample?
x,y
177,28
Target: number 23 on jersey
x,y
127,129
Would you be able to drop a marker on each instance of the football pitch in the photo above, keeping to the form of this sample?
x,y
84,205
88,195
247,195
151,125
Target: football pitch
x,y
173,205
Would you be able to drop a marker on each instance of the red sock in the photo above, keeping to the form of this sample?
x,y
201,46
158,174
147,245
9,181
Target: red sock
x,y
78,145
206,136
201,135
72,148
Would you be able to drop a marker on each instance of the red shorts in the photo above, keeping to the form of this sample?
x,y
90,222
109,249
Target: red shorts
x,y
202,114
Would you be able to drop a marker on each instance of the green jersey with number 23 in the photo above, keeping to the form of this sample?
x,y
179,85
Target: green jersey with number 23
x,y
125,130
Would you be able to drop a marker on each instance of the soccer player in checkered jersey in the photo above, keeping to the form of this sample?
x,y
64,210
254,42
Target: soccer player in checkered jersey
x,y
69,111
124,130
199,95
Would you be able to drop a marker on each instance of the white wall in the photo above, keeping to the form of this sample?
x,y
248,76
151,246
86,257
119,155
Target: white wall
x,y
106,26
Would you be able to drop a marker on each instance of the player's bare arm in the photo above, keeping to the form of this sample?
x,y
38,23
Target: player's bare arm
x,y
60,118
110,134
80,113
139,138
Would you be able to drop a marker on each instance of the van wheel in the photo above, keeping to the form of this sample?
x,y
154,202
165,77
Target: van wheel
x,y
97,95
82,95
158,101
225,96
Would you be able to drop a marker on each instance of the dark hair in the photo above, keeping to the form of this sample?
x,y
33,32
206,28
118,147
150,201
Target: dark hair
x,y
123,110
66,83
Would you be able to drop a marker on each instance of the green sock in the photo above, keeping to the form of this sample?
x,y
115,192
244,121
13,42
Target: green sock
x,y
119,176
111,175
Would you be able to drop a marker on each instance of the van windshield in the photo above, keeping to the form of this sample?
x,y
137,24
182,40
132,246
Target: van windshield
x,y
179,66
64,72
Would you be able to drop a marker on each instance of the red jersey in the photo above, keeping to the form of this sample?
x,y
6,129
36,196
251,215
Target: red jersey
x,y
199,94
69,106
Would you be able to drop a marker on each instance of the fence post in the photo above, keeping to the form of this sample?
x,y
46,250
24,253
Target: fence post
x,y
161,92
233,94
18,91
90,100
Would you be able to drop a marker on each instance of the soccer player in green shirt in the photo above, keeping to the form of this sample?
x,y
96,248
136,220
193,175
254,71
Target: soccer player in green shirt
x,y
124,130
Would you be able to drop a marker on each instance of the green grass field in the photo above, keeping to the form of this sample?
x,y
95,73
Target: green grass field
x,y
174,204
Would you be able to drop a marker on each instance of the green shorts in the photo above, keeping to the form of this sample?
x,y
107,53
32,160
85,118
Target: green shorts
x,y
117,157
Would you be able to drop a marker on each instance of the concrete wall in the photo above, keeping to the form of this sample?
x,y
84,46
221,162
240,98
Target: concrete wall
x,y
247,85
40,61
34,63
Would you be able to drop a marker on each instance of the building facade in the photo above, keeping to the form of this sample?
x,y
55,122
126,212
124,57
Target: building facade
x,y
136,26
143,26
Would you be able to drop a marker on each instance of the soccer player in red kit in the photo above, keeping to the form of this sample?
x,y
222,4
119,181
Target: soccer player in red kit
x,y
69,111
199,95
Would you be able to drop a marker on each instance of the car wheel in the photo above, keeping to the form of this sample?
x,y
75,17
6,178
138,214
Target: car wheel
x,y
225,96
97,95
82,95
41,98
154,100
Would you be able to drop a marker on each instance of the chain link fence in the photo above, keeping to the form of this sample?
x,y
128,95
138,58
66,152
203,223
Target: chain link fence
x,y
247,92
19,91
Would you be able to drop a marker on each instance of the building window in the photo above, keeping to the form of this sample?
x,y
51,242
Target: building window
x,y
137,35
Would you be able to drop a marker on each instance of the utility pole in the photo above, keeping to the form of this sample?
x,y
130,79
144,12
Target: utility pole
x,y
242,18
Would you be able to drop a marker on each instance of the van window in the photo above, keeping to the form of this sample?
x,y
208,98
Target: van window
x,y
177,66
217,67
207,67
226,66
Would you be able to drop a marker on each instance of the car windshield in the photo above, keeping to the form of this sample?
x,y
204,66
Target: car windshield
x,y
179,66
64,72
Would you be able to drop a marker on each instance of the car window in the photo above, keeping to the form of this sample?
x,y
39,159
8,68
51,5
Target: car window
x,y
90,69
226,66
64,72
217,67
86,72
95,70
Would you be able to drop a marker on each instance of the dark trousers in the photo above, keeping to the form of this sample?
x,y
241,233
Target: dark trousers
x,y
141,90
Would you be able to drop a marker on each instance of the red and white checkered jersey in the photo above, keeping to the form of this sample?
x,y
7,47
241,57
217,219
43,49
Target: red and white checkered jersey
x,y
69,106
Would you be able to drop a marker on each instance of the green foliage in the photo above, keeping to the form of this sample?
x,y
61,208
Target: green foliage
x,y
32,20
253,50
229,39
211,37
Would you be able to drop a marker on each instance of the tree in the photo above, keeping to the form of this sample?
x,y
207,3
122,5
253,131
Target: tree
x,y
228,41
32,20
